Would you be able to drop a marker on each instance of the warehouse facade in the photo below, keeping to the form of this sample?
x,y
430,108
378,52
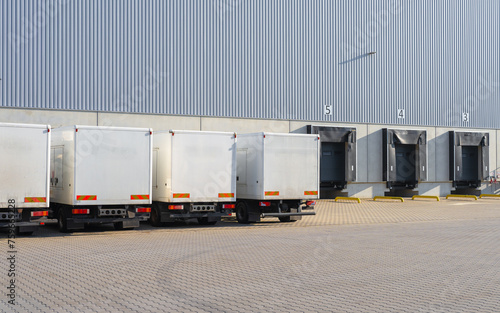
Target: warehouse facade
x,y
278,66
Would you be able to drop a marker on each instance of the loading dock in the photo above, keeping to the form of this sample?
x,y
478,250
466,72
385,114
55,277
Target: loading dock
x,y
404,158
338,155
469,158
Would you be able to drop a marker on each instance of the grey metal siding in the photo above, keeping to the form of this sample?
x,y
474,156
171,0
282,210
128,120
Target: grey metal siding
x,y
280,59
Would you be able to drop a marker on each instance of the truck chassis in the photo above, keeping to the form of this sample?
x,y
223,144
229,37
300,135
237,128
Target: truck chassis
x,y
71,218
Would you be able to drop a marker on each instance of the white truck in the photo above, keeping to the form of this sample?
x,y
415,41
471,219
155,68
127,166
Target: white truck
x,y
194,176
100,175
24,176
277,176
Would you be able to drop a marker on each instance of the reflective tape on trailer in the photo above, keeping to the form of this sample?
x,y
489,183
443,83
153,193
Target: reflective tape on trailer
x,y
35,199
181,195
272,193
226,195
139,197
310,193
86,197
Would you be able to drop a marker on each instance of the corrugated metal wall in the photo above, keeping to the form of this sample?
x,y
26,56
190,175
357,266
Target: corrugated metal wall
x,y
278,59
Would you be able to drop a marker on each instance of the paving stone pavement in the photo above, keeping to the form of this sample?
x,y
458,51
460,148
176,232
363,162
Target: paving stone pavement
x,y
417,256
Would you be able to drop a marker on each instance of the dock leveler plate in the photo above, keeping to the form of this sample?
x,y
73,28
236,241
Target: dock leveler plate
x,y
404,157
338,155
469,158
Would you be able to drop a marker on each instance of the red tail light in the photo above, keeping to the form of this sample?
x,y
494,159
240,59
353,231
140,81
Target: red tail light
x,y
80,211
175,207
228,206
40,213
264,203
309,203
143,210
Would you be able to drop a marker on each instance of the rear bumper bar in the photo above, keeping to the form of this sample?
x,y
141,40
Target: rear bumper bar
x,y
5,224
287,214
196,215
78,223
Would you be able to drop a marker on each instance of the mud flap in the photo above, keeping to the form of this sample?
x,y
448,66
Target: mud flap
x,y
296,217
128,223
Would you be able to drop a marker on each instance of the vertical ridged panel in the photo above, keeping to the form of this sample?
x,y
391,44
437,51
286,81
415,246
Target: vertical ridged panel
x,y
259,59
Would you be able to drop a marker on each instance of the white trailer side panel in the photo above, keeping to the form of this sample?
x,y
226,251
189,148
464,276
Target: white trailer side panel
x,y
250,176
62,165
278,166
101,165
24,165
162,166
194,166
291,166
113,164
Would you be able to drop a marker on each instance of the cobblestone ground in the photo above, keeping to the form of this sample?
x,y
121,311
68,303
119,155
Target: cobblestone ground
x,y
417,256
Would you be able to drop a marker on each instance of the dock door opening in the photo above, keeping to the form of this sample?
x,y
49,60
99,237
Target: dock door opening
x,y
469,158
405,157
405,163
338,155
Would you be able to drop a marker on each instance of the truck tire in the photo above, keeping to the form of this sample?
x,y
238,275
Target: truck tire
x,y
204,221
155,218
242,213
286,219
62,223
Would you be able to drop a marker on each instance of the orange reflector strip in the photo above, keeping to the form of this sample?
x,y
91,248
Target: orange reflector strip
x,y
86,197
35,199
181,195
226,195
139,197
310,193
40,213
272,193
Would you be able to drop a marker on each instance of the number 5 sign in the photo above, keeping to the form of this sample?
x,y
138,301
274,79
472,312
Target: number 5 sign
x,y
328,109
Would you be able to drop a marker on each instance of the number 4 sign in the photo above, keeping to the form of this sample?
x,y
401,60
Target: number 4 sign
x,y
401,113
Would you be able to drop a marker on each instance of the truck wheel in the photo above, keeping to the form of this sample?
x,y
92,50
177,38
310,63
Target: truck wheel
x,y
242,213
204,221
155,218
62,223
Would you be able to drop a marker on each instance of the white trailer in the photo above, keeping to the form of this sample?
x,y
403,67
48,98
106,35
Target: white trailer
x,y
101,175
194,176
24,176
277,176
